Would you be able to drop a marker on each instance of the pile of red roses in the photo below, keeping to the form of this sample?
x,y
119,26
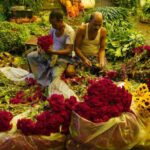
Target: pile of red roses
x,y
34,93
5,118
45,42
103,101
140,49
57,119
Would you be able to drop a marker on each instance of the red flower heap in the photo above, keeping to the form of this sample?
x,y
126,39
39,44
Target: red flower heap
x,y
57,119
5,118
103,101
45,42
34,93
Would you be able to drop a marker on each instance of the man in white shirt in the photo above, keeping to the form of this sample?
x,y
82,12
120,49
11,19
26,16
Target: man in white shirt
x,y
63,39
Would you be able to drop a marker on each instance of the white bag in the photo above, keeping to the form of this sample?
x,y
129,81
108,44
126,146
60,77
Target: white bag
x,y
58,86
88,3
15,74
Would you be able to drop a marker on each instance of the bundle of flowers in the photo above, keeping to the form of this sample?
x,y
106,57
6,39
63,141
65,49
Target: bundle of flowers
x,y
140,49
141,99
5,118
56,119
45,42
33,94
103,101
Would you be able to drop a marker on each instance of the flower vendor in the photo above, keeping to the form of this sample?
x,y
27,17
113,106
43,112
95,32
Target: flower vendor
x,y
54,50
90,41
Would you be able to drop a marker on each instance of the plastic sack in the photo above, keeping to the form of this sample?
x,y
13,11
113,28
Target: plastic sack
x,y
58,86
119,133
15,74
22,142
88,3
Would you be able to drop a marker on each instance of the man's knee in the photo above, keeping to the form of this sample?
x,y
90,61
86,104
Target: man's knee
x,y
32,55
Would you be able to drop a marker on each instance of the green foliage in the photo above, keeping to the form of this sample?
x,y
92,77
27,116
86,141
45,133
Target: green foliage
x,y
38,29
13,36
126,3
146,8
110,13
2,17
121,40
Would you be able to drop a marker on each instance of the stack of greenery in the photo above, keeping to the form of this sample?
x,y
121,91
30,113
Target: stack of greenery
x,y
13,36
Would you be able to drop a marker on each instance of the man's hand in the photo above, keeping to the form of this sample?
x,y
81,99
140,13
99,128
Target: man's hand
x,y
102,63
87,62
50,50
40,51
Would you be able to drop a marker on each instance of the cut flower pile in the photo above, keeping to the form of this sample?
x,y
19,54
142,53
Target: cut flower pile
x,y
103,101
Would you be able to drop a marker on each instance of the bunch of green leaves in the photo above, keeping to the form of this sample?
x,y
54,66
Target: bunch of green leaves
x,y
38,29
121,40
146,10
2,17
12,36
110,13
126,3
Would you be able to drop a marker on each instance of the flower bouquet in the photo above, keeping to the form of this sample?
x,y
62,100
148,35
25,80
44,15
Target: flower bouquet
x,y
44,42
104,120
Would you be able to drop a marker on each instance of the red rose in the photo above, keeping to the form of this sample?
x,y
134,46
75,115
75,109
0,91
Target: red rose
x,y
71,102
15,101
5,118
30,81
27,126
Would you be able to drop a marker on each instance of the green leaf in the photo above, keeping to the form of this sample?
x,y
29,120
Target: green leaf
x,y
118,52
115,43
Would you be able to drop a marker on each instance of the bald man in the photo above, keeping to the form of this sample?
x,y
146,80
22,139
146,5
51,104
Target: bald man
x,y
91,41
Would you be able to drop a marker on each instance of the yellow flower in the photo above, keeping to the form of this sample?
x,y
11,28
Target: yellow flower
x,y
141,90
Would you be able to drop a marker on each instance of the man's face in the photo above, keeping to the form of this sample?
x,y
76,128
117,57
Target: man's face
x,y
56,24
96,23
